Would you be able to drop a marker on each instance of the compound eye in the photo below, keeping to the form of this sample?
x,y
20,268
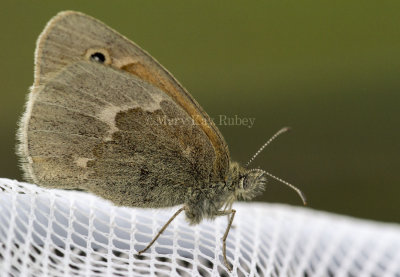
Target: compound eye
x,y
98,55
245,182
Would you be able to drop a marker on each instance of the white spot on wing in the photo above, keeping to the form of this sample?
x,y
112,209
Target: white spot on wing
x,y
108,116
109,113
82,162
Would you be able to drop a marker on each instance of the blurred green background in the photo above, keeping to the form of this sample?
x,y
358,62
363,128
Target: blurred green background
x,y
328,69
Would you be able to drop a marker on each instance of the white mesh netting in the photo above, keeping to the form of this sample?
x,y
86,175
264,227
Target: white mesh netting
x,y
63,233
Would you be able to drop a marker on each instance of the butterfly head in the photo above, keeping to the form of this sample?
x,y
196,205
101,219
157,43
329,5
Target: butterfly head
x,y
250,184
245,184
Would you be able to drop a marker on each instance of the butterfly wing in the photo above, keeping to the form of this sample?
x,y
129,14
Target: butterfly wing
x,y
100,129
72,36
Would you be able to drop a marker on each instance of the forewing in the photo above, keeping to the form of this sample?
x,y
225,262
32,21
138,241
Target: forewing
x,y
100,129
70,36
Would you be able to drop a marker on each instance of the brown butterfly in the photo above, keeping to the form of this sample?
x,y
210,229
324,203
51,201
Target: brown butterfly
x,y
92,122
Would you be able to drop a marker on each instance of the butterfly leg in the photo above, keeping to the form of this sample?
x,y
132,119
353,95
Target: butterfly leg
x,y
228,218
161,230
230,213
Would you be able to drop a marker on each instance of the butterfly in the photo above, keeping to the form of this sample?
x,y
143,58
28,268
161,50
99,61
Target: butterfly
x,y
98,118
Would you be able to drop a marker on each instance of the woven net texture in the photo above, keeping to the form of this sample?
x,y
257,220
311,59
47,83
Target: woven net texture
x,y
68,233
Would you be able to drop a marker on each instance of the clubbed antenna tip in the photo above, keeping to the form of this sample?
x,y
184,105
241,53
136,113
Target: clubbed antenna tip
x,y
303,197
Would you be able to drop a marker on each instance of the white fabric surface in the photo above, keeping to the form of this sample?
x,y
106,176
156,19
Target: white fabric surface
x,y
67,233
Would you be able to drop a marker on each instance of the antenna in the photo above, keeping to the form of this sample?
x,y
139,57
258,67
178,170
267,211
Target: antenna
x,y
299,192
281,131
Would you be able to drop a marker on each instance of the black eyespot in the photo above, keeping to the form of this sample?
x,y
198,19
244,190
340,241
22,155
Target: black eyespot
x,y
98,57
